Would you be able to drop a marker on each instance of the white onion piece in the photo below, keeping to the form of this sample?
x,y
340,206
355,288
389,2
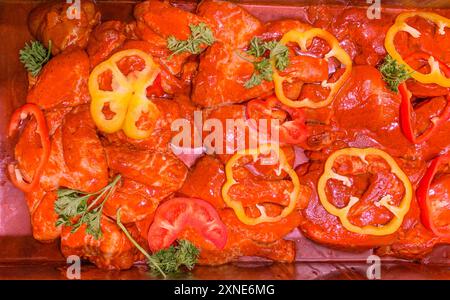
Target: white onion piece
x,y
187,155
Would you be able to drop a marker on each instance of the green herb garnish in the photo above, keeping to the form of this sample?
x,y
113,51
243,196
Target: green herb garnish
x,y
263,68
74,204
167,260
184,254
393,73
200,34
34,56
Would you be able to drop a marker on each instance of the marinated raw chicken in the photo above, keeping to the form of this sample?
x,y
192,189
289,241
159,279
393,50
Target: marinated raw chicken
x,y
64,24
362,145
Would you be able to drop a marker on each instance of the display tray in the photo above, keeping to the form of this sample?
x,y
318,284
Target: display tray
x,y
22,257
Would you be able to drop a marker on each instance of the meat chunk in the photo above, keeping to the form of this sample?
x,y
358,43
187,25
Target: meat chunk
x,y
155,169
165,19
63,81
368,113
63,24
232,24
221,77
77,159
205,181
135,200
43,219
83,153
105,38
156,22
111,251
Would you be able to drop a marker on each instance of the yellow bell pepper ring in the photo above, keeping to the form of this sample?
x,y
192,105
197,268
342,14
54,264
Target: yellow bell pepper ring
x,y
436,75
128,100
303,39
399,212
284,165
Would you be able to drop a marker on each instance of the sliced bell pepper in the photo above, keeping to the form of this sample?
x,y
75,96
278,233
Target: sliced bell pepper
x,y
437,73
283,166
423,198
406,122
290,131
303,39
22,113
342,213
127,100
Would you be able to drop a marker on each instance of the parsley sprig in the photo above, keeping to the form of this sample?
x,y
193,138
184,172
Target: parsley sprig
x,y
167,260
393,73
34,56
184,254
72,205
201,34
263,67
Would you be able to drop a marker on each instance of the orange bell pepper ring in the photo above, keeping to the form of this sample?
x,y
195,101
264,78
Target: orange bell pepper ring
x,y
283,166
437,74
127,100
399,212
303,39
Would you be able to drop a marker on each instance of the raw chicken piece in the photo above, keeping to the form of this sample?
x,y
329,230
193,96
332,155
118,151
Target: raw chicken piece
x,y
55,21
62,81
221,77
84,156
231,24
105,39
77,158
135,200
205,181
166,20
112,251
43,219
157,169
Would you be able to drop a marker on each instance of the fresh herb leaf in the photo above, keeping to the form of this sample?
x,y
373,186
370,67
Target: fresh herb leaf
x,y
257,47
393,73
73,204
201,34
281,54
34,56
172,259
168,260
263,68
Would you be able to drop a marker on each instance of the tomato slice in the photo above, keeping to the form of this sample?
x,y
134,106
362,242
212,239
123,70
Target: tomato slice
x,y
292,131
177,214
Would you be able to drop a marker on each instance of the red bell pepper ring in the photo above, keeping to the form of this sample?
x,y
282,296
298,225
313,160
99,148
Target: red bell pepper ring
x,y
422,194
406,122
291,131
18,116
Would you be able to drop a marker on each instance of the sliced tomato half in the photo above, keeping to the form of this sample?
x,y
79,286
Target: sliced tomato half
x,y
177,214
